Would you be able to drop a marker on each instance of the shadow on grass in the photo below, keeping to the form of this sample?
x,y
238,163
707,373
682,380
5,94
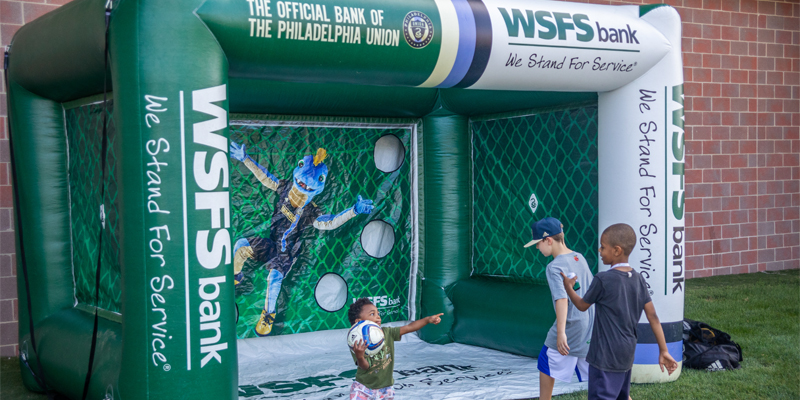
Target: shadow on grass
x,y
11,387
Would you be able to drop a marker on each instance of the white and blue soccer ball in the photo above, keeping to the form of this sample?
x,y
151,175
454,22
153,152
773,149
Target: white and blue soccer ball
x,y
368,331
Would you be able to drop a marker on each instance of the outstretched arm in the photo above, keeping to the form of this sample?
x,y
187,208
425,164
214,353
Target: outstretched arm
x,y
577,300
329,221
418,324
664,359
238,152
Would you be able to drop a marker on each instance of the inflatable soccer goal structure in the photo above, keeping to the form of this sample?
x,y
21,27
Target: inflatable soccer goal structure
x,y
198,172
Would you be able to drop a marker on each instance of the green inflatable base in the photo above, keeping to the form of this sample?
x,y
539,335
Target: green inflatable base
x,y
507,316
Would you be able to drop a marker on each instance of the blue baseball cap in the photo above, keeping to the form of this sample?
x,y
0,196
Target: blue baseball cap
x,y
543,228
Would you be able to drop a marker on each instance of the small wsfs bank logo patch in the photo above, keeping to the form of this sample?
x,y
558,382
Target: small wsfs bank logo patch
x,y
417,29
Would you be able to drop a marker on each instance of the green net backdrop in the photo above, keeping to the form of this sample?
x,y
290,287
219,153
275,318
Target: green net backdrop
x,y
352,172
84,141
551,155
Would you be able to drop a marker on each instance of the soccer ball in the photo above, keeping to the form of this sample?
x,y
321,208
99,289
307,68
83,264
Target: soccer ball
x,y
370,333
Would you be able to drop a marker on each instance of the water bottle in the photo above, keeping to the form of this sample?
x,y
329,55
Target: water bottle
x,y
577,284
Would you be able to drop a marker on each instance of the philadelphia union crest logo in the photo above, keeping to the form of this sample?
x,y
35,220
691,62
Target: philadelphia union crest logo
x,y
417,29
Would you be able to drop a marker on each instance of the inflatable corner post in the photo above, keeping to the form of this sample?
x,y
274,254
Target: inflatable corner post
x,y
268,162
654,185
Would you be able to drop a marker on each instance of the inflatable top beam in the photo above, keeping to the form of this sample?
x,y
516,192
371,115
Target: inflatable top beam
x,y
496,45
491,45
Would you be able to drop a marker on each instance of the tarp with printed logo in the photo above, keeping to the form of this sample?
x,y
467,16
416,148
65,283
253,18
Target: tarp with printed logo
x,y
318,366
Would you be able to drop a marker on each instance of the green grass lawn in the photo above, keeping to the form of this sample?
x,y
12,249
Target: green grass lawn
x,y
11,382
761,312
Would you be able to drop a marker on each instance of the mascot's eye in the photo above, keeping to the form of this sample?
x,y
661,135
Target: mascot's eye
x,y
301,164
322,178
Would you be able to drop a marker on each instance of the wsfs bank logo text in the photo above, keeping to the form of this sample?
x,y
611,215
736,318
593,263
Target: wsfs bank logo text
x,y
548,25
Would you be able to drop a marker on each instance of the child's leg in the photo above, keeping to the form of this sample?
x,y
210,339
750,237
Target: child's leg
x,y
546,383
552,365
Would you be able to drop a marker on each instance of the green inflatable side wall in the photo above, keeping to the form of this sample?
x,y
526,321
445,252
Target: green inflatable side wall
x,y
40,155
173,94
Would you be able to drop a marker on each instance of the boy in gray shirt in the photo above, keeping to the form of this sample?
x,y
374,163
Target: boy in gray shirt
x,y
567,344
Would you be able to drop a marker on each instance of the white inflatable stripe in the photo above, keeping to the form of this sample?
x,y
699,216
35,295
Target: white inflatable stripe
x,y
651,373
449,48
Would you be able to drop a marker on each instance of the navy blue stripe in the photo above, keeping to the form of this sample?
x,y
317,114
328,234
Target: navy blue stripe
x,y
673,332
483,44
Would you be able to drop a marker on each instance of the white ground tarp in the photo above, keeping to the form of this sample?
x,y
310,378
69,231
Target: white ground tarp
x,y
318,366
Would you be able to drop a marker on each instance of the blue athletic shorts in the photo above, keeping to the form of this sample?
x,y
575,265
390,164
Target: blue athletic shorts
x,y
553,364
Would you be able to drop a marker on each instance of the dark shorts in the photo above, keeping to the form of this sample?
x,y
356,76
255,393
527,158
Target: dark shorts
x,y
269,254
609,385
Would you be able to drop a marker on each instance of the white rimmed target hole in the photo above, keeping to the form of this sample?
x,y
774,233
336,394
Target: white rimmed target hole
x,y
331,292
377,238
389,153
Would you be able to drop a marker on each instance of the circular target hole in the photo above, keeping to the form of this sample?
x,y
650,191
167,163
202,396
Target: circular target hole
x,y
389,153
377,238
331,292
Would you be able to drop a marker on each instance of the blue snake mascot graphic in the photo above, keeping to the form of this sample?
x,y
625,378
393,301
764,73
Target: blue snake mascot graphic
x,y
293,213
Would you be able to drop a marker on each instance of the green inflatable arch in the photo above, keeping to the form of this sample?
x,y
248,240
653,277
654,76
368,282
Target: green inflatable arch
x,y
506,111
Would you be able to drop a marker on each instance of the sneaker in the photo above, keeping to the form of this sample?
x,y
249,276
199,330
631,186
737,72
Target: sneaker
x,y
264,325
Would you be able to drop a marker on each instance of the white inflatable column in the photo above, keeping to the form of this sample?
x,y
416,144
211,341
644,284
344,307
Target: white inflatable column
x,y
641,183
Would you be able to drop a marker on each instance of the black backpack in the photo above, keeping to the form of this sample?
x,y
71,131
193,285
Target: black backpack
x,y
707,348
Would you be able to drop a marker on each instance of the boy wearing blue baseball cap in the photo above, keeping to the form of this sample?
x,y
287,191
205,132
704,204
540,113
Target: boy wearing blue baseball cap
x,y
567,342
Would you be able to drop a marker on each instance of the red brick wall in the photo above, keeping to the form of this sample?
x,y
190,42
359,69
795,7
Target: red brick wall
x,y
742,72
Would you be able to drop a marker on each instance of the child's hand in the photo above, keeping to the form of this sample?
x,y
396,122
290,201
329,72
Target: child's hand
x,y
435,319
666,360
561,343
359,347
418,324
568,283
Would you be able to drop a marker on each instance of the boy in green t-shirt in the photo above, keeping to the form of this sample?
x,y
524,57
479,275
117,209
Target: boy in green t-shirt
x,y
374,380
